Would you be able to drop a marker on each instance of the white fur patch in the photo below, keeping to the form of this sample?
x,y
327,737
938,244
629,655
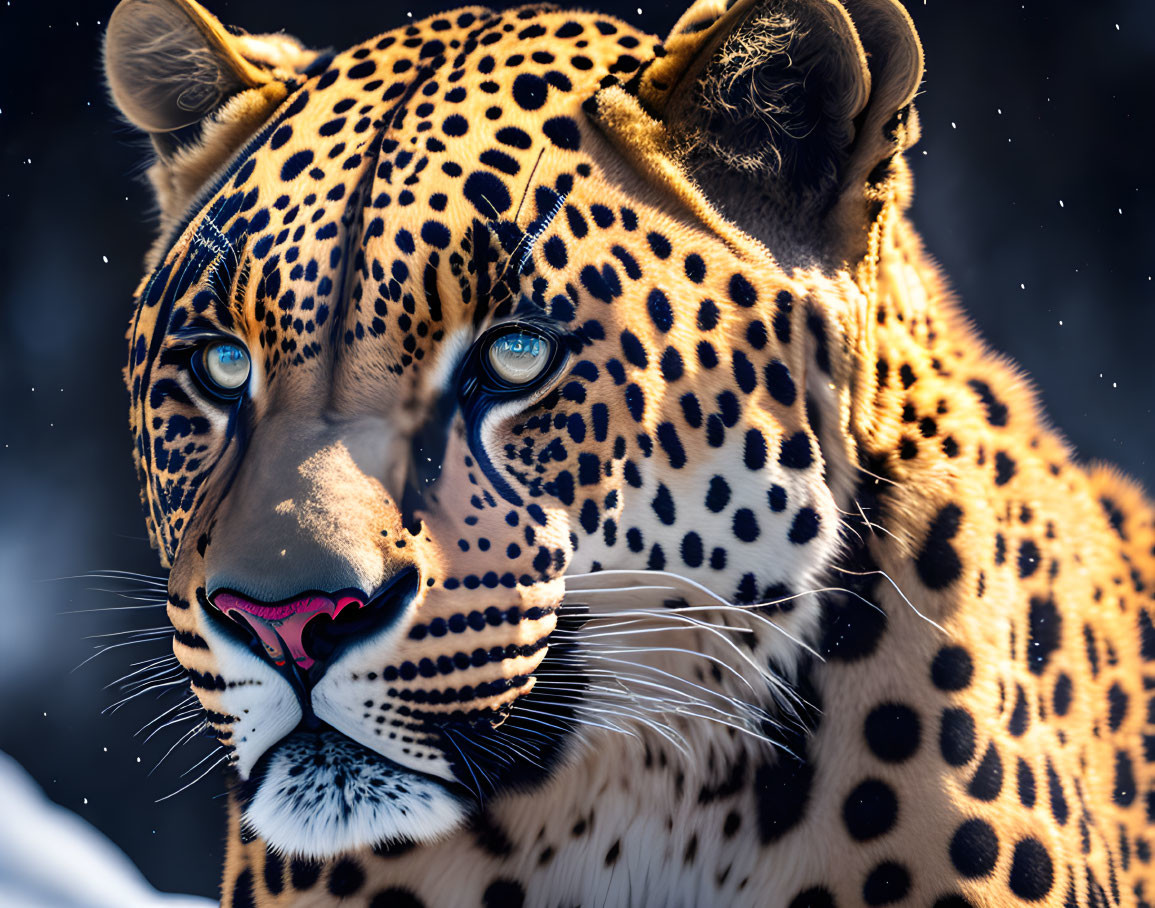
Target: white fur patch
x,y
263,702
324,794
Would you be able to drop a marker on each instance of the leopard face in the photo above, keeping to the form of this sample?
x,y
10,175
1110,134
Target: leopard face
x,y
412,359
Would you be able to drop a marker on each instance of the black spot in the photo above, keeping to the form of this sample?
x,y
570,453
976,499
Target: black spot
x,y
1124,793
487,193
804,526
514,137
395,897
742,291
274,868
870,810
663,505
974,848
718,494
893,732
1004,468
1025,778
1116,706
661,313
435,234
996,409
633,350
555,252
952,669
295,164
754,450
783,790
938,563
281,136
303,873
1146,636
659,245
707,315
1045,626
886,884
795,453
529,91
345,878
361,70
746,525
956,736
499,160
987,781
691,550
1028,558
1031,872
503,893
815,897
1059,808
243,890
1020,715
1061,698
563,132
779,383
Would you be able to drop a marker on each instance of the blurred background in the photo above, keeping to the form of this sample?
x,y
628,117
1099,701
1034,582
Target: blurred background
x,y
1034,190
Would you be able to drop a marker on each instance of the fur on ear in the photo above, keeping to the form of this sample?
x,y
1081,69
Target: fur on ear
x,y
199,90
783,110
169,63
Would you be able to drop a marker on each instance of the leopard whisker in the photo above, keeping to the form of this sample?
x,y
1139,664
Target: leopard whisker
x,y
176,674
166,630
183,739
214,750
111,646
468,765
191,698
885,576
175,720
120,703
194,781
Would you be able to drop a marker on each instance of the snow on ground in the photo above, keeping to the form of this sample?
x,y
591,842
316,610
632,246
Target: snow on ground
x,y
51,858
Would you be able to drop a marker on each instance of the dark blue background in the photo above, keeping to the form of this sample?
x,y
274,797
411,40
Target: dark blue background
x,y
1024,105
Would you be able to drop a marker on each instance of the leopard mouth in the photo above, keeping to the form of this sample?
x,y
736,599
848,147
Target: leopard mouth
x,y
317,792
315,735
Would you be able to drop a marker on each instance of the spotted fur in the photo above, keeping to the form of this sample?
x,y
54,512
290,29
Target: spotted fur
x,y
777,589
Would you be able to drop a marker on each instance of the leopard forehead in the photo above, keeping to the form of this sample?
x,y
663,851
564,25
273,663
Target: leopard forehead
x,y
436,179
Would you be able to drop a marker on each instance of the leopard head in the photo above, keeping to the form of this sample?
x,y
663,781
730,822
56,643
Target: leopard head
x,y
490,384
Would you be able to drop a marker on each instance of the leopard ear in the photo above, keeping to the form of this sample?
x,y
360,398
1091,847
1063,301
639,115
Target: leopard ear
x,y
198,89
783,110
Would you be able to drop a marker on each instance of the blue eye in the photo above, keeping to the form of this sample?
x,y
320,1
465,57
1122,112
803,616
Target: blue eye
x,y
519,357
223,368
510,360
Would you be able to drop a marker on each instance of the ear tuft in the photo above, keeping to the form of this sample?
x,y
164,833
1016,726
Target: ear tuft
x,y
169,63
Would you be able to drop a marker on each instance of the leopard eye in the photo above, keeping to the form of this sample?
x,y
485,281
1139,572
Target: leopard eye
x,y
222,368
518,357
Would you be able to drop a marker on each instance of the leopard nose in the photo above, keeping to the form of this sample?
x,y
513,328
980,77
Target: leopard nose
x,y
309,629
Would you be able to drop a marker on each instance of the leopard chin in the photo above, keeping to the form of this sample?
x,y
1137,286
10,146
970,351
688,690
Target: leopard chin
x,y
318,793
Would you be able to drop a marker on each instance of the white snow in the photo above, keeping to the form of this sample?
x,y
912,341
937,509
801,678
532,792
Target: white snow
x,y
51,858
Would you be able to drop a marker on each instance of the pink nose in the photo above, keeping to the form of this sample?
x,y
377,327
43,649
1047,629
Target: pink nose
x,y
281,628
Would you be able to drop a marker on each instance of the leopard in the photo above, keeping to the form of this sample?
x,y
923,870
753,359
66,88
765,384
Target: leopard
x,y
579,486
